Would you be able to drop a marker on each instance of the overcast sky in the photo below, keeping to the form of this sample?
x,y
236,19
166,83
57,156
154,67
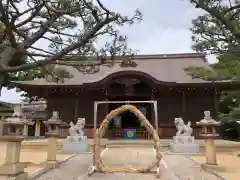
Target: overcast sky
x,y
164,29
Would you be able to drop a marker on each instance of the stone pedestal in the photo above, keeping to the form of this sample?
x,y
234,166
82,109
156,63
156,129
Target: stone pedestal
x,y
184,144
53,125
52,151
11,168
211,155
76,144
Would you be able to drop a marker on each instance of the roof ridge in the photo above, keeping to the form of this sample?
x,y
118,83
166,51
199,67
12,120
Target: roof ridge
x,y
146,56
171,56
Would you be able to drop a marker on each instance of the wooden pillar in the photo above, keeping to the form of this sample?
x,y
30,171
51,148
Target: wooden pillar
x,y
106,107
76,110
215,103
152,108
103,108
153,116
2,126
25,130
183,104
37,128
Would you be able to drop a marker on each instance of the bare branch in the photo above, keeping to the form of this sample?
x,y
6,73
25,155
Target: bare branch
x,y
30,18
58,55
68,30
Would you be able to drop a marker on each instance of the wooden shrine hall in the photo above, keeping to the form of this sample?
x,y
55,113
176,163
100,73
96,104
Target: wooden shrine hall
x,y
145,77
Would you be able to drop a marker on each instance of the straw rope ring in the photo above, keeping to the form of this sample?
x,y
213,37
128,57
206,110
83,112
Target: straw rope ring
x,y
102,129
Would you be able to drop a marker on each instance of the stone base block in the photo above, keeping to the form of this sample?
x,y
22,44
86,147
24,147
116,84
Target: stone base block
x,y
21,176
11,169
76,145
183,139
211,167
184,148
52,164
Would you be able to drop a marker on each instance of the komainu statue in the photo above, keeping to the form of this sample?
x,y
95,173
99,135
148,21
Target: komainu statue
x,y
182,129
73,130
76,142
77,129
183,142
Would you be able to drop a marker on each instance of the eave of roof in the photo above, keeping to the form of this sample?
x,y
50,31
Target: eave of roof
x,y
164,68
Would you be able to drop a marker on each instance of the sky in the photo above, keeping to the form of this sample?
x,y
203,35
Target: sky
x,y
164,29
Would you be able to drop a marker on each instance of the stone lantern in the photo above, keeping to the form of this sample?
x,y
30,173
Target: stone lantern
x,y
17,124
53,125
53,130
209,134
12,140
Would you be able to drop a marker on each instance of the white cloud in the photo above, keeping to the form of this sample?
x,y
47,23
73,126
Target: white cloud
x,y
10,95
164,29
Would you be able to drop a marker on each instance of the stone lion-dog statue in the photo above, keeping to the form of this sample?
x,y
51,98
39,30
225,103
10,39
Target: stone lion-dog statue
x,y
182,129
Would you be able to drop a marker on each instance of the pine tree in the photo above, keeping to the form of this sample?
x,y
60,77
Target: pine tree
x,y
71,28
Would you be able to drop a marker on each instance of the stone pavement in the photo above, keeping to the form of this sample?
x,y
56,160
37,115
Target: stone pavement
x,y
186,169
173,167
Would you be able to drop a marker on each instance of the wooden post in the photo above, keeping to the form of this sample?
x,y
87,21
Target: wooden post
x,y
76,114
37,128
216,102
25,130
1,126
156,116
152,108
183,104
94,134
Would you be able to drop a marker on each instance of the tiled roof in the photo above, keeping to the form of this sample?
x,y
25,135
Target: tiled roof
x,y
163,68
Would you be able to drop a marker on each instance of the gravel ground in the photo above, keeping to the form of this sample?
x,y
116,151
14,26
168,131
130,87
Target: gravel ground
x,y
174,167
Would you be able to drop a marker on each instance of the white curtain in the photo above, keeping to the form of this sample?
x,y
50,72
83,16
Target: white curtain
x,y
143,111
117,121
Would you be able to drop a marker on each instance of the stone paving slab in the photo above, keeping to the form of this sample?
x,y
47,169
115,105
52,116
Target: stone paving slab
x,y
185,169
131,176
165,142
173,167
76,169
70,170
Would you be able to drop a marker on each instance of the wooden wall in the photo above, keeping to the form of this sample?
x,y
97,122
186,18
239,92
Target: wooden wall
x,y
81,105
186,103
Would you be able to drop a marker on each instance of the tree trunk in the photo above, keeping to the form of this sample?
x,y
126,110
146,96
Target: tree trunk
x,y
1,83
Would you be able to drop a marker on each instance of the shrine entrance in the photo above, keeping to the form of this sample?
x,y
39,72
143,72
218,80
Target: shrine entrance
x,y
127,120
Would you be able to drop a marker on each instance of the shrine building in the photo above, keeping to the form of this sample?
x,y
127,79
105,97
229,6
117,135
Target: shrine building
x,y
146,77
